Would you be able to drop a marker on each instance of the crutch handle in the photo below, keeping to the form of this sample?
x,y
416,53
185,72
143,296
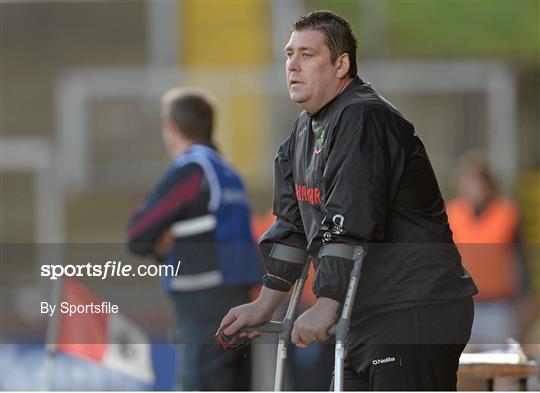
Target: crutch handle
x,y
275,327
233,341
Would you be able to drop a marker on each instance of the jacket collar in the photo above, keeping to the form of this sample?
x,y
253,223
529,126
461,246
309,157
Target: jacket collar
x,y
356,81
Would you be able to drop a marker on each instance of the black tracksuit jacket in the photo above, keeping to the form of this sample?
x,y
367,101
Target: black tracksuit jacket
x,y
356,172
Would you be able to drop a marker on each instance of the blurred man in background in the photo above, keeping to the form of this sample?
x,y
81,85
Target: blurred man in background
x,y
486,227
355,173
199,214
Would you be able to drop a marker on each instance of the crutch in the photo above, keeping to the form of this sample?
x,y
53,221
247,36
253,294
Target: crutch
x,y
342,327
284,328
287,327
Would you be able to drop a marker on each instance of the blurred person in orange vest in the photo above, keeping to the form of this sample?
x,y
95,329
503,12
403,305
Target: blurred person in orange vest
x,y
486,228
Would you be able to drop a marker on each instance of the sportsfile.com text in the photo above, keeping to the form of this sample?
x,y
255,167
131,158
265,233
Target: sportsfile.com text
x,y
109,270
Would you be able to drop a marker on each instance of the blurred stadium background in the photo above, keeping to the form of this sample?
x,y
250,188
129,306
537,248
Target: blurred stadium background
x,y
80,116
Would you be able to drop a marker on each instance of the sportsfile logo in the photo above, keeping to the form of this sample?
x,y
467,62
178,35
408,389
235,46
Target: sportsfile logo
x,y
109,269
383,361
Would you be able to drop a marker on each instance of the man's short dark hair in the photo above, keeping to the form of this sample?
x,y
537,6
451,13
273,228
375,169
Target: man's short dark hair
x,y
191,110
340,37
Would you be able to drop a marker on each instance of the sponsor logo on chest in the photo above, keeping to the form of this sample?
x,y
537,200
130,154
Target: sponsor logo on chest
x,y
309,195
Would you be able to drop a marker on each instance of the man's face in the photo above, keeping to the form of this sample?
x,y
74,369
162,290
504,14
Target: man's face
x,y
312,78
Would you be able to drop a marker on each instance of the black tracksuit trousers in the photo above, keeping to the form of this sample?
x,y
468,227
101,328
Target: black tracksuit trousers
x,y
416,348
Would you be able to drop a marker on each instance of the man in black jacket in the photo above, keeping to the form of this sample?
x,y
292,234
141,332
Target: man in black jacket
x,y
354,172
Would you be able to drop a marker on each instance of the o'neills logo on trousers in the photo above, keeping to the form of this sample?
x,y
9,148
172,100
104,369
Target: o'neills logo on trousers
x,y
309,195
382,361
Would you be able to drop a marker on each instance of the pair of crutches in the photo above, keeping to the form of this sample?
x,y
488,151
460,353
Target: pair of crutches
x,y
284,328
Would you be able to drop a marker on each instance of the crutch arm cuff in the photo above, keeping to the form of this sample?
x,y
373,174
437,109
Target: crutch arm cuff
x,y
287,253
341,250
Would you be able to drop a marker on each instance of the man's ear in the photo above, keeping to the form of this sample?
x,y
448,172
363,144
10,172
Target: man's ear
x,y
172,128
169,132
343,65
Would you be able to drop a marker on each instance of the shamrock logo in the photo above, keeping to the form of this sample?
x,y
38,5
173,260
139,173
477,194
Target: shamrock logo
x,y
319,142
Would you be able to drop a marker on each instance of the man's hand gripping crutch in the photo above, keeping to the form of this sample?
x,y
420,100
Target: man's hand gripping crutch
x,y
247,321
314,325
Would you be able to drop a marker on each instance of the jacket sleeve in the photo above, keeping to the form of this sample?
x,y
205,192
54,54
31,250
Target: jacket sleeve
x,y
288,229
178,189
356,190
